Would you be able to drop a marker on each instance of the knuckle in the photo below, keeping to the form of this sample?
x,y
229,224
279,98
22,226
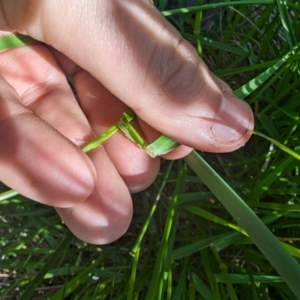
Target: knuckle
x,y
179,71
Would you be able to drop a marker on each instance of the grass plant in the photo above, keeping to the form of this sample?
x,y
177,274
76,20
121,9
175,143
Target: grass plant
x,y
193,234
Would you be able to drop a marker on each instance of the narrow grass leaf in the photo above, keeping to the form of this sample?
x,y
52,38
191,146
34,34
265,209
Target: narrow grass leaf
x,y
267,125
62,271
279,145
213,218
15,41
203,244
50,262
256,82
242,278
74,283
133,274
191,9
8,194
275,206
224,270
278,170
145,227
100,139
223,243
210,267
292,250
181,287
157,281
239,70
201,288
190,197
209,42
286,23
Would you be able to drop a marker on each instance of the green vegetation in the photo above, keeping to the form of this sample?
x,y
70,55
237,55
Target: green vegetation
x,y
192,236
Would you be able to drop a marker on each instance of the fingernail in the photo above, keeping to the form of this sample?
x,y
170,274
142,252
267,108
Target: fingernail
x,y
234,121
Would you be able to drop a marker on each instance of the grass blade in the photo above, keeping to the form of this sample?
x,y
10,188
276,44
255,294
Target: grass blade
x,y
8,194
15,41
279,145
133,274
40,276
145,227
253,84
73,284
201,288
155,290
285,264
286,23
190,9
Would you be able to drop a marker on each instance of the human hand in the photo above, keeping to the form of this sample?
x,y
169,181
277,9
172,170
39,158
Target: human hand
x,y
120,54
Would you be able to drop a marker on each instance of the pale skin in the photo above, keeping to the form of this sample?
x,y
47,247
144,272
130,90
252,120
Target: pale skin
x,y
121,54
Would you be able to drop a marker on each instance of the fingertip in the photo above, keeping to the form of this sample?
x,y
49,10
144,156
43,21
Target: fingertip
x,y
141,173
43,165
234,123
135,166
106,214
95,222
75,183
142,179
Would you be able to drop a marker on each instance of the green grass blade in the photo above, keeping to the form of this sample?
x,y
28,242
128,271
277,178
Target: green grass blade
x,y
188,250
191,9
268,125
145,227
201,287
242,278
180,289
130,132
281,167
8,194
15,41
161,146
40,276
157,281
100,139
285,264
253,84
213,218
292,250
224,270
73,284
286,23
279,145
133,274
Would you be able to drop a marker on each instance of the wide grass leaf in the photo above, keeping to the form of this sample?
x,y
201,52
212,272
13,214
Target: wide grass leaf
x,y
282,261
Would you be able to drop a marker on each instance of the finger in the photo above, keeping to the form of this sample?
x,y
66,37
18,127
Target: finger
x,y
91,99
143,61
43,87
36,160
103,110
106,214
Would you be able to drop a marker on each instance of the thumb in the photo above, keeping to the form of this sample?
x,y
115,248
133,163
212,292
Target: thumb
x,y
136,54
